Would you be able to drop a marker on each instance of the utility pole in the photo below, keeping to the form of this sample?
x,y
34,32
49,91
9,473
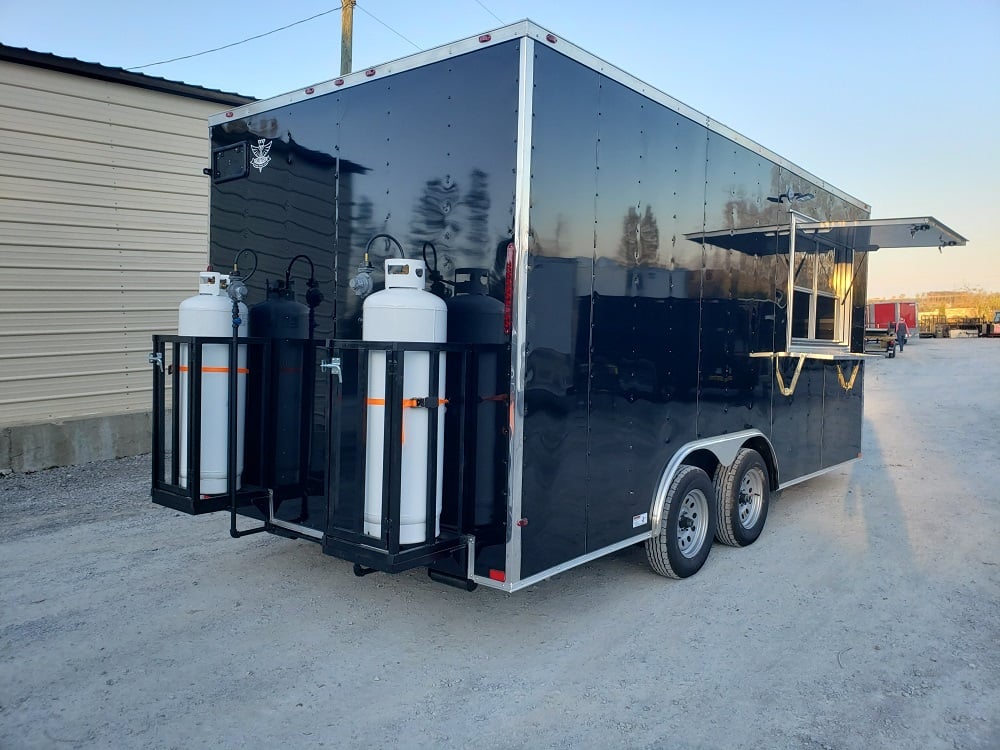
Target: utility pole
x,y
346,35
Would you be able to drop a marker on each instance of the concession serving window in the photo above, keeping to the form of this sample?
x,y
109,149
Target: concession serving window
x,y
822,260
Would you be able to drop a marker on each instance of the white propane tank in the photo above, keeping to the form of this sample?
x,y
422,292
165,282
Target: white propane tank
x,y
210,313
404,312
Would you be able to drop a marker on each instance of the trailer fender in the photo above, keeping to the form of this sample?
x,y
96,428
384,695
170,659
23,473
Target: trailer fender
x,y
723,448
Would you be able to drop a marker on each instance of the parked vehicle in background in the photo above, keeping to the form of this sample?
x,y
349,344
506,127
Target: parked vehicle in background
x,y
991,329
880,340
882,314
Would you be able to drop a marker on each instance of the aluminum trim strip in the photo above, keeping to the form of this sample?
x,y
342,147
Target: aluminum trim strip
x,y
529,29
522,203
303,530
297,528
626,79
815,474
399,65
721,444
590,556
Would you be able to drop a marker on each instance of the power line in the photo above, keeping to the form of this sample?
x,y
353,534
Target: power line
x,y
387,26
244,41
489,11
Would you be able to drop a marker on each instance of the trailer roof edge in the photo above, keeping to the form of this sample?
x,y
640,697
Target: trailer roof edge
x,y
530,30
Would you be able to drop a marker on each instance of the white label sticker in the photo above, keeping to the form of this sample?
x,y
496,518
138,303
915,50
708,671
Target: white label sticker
x,y
639,520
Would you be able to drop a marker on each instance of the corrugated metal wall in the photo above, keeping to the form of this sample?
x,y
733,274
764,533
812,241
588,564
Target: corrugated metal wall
x,y
103,228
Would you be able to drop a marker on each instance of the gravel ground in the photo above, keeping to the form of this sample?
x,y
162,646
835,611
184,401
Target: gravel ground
x,y
867,615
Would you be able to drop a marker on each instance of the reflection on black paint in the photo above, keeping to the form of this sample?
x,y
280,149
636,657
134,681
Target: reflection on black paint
x,y
454,218
639,330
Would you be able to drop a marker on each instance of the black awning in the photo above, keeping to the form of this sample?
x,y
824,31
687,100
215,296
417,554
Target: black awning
x,y
863,235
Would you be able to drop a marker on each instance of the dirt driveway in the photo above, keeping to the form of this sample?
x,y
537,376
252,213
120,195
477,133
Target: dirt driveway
x,y
867,616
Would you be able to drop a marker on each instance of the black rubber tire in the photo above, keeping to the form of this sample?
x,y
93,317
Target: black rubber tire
x,y
742,498
687,525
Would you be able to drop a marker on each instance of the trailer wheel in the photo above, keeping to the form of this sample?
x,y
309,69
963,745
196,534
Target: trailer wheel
x,y
687,526
742,497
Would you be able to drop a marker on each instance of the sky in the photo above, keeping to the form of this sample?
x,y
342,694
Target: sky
x,y
895,103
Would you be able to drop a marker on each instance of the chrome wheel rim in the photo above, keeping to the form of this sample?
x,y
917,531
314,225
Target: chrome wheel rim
x,y
751,497
692,523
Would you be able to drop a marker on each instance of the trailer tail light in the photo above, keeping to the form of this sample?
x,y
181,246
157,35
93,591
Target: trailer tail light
x,y
508,291
484,38
498,575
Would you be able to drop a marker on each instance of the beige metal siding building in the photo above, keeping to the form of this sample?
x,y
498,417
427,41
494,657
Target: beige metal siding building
x,y
103,228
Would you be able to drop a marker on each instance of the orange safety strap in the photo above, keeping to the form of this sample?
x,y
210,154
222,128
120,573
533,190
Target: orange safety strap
x,y
408,403
240,370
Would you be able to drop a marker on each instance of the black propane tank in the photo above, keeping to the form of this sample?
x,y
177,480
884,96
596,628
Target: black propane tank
x,y
474,317
285,394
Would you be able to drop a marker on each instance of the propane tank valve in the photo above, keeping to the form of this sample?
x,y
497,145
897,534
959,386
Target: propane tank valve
x,y
236,289
314,297
362,284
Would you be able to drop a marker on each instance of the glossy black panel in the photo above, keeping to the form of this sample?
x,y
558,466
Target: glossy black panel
x,y
563,185
284,207
426,155
797,421
627,190
631,286
739,294
842,411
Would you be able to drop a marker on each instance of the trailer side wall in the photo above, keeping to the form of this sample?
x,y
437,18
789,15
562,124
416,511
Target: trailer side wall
x,y
639,332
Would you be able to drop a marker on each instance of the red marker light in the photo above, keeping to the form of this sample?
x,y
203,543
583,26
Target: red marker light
x,y
522,522
229,114
370,72
551,38
498,575
508,291
339,82
310,90
485,37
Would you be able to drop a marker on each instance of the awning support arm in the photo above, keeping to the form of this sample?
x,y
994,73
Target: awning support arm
x,y
795,378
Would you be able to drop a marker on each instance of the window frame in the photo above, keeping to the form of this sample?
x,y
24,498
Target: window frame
x,y
843,307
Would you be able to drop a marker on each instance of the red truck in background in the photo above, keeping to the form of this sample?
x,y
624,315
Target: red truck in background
x,y
881,314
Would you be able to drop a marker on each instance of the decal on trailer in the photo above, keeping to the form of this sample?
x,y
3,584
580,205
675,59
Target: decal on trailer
x,y
260,157
639,520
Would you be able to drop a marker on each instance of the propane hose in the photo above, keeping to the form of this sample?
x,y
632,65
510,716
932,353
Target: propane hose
x,y
387,237
437,280
236,262
312,268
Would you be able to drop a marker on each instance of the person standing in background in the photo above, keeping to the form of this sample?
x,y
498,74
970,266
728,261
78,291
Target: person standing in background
x,y
901,332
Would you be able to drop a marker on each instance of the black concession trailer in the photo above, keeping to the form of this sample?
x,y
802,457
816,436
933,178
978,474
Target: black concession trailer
x,y
652,322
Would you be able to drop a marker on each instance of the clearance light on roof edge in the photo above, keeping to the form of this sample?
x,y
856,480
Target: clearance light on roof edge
x,y
551,38
229,114
484,38
370,72
310,90
339,82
